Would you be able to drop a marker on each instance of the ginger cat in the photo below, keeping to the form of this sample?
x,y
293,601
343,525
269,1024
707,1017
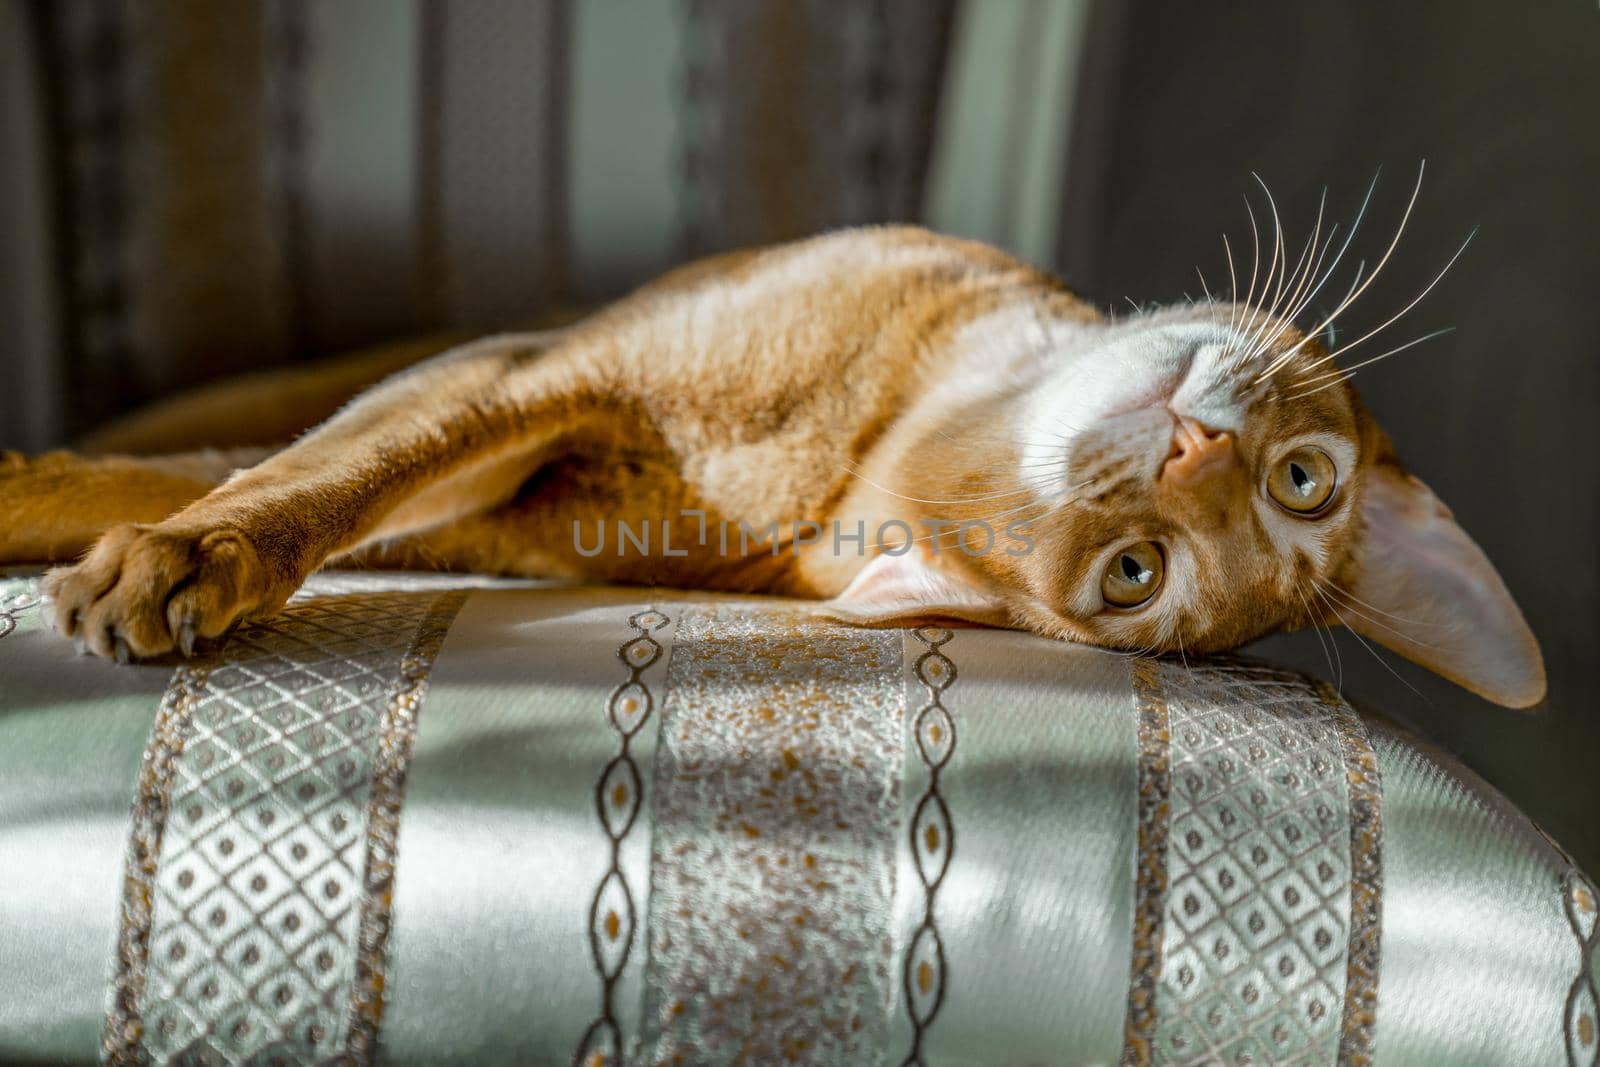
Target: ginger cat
x,y
936,429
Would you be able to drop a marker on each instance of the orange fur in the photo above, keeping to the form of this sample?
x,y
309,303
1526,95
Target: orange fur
x,y
853,378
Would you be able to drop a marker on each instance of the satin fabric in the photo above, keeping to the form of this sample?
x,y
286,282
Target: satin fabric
x,y
631,826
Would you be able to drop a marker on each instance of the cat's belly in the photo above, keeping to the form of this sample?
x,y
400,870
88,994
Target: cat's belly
x,y
643,520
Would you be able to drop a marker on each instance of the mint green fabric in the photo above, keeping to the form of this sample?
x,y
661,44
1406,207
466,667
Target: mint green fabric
x,y
72,735
417,820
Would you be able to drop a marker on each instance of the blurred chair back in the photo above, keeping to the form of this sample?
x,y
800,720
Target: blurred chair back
x,y
209,188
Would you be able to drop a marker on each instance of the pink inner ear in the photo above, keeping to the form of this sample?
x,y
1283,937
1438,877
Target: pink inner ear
x,y
911,588
1427,591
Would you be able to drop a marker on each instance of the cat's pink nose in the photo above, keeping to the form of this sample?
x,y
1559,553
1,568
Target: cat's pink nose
x,y
1197,454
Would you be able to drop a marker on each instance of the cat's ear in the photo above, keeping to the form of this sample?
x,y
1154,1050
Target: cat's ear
x,y
1423,588
908,590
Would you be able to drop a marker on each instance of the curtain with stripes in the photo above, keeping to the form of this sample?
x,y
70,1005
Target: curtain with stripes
x,y
191,189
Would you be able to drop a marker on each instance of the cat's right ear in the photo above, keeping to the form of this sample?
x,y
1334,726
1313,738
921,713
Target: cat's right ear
x,y
910,590
1423,588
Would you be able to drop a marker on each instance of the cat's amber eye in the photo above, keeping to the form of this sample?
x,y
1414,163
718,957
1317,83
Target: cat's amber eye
x,y
1133,575
1304,480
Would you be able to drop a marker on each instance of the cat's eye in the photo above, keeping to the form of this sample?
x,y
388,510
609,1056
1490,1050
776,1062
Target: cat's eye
x,y
1304,480
1133,575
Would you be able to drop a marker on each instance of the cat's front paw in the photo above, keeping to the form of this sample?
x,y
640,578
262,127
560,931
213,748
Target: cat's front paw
x,y
148,590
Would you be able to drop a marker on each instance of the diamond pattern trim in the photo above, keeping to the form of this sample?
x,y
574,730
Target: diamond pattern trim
x,y
260,865
1580,1028
1256,928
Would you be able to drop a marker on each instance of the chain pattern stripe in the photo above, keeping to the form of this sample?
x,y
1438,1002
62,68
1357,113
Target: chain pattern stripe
x,y
1580,1018
618,798
933,839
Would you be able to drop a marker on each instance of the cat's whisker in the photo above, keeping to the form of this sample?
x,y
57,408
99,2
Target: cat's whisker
x,y
1329,379
1329,327
1304,291
1233,288
1338,256
1332,328
1004,464
1033,464
1317,627
1279,253
976,498
1044,503
1258,314
1358,613
1058,461
1061,442
1323,596
1374,653
1331,356
1246,324
1280,317
1377,269
953,531
1184,656
1256,339
1066,434
1043,468
1355,224
1311,289
1333,642
1332,269
1035,472
1334,587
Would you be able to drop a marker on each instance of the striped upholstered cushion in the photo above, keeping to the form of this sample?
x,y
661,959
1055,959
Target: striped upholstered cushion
x,y
418,822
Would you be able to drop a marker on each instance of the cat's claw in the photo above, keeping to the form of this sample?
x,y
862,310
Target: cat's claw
x,y
146,591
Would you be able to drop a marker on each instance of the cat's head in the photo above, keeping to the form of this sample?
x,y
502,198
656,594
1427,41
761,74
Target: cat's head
x,y
1199,477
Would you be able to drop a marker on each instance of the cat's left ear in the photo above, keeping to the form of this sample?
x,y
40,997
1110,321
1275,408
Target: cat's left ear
x,y
911,589
1423,588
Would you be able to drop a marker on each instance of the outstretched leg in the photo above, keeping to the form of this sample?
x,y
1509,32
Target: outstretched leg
x,y
453,437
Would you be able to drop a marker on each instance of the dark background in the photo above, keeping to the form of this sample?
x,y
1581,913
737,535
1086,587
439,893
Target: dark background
x,y
1499,417
190,190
